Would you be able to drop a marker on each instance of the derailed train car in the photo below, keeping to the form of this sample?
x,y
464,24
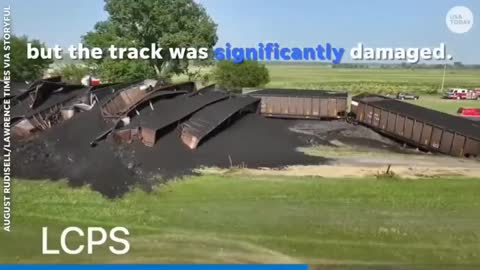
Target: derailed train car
x,y
302,104
424,128
206,121
122,102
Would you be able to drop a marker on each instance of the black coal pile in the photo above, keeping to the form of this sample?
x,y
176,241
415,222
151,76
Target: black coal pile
x,y
64,152
252,141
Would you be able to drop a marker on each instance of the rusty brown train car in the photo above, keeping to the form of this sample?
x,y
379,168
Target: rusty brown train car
x,y
424,128
304,104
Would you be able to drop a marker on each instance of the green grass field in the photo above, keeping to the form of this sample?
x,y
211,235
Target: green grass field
x,y
445,105
242,219
260,219
425,82
375,80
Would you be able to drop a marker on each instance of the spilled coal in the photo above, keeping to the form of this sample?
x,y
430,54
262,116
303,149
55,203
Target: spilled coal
x,y
63,152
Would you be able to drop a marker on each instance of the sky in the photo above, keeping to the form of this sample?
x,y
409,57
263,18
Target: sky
x,y
302,23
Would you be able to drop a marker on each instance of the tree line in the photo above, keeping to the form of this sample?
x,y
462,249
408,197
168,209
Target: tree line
x,y
139,23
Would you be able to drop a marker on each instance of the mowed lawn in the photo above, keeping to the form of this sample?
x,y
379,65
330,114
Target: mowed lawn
x,y
245,219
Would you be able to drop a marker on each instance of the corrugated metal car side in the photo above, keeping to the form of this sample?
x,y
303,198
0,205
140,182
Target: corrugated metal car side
x,y
302,107
419,133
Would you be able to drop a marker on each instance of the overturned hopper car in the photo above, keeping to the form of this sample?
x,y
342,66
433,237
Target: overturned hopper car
x,y
302,104
211,118
48,107
424,128
122,102
152,122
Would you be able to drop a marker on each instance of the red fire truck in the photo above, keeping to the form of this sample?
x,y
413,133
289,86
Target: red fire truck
x,y
459,93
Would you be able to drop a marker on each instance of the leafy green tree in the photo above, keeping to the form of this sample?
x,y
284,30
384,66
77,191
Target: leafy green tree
x,y
139,23
125,70
246,74
23,69
72,73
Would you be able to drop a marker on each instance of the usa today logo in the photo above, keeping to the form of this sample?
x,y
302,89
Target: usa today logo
x,y
459,19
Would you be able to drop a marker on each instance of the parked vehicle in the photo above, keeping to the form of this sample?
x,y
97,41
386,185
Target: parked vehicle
x,y
469,112
89,80
404,96
477,92
460,93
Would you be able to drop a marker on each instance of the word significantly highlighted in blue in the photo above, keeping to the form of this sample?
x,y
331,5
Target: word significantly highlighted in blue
x,y
273,51
158,267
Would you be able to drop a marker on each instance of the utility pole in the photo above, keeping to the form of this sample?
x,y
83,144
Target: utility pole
x,y
443,79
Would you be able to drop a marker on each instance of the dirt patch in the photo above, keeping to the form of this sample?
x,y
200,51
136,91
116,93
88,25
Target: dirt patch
x,y
337,133
356,171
